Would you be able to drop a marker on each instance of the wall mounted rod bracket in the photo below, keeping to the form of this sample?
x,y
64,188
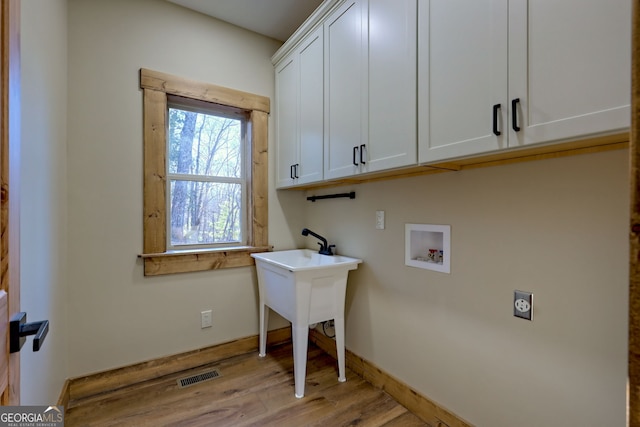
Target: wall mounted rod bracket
x,y
351,195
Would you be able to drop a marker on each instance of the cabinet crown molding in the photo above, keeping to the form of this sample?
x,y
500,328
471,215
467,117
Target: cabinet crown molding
x,y
307,26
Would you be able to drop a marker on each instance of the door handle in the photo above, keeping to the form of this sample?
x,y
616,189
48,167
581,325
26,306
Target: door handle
x,y
291,171
514,114
362,154
295,169
19,329
355,153
496,108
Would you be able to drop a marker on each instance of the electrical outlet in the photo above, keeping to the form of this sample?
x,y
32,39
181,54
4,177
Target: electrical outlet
x,y
523,304
379,220
206,319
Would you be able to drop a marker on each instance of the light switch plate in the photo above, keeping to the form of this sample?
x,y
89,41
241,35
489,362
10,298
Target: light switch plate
x,y
523,304
379,220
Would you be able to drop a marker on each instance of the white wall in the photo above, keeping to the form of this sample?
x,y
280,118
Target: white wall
x,y
116,315
557,228
44,195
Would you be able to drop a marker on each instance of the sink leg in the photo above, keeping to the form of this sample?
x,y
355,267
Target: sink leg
x,y
264,320
300,338
339,328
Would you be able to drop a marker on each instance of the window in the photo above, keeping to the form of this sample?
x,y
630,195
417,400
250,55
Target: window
x,y
205,175
206,171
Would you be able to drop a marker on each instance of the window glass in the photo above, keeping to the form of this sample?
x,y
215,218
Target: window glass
x,y
205,162
204,144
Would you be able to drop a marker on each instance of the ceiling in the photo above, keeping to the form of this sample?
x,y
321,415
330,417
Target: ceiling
x,y
277,19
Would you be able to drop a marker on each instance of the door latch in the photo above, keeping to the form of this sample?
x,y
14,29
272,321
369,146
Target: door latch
x,y
19,329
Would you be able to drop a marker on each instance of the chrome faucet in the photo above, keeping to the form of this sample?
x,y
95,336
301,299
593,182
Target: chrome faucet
x,y
325,248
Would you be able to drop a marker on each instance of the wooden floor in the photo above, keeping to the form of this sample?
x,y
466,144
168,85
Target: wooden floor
x,y
251,391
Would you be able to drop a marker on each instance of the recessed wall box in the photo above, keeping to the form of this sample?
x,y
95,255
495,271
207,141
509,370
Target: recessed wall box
x,y
428,246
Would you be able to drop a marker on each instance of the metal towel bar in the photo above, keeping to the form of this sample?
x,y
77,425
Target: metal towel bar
x,y
351,195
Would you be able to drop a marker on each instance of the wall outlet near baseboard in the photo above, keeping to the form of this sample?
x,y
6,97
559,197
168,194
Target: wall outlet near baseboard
x,y
206,319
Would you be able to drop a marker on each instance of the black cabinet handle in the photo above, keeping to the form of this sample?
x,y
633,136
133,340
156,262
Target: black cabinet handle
x,y
355,153
362,154
496,108
514,114
295,174
291,172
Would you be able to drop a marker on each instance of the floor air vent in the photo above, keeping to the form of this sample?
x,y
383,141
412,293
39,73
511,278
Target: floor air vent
x,y
196,379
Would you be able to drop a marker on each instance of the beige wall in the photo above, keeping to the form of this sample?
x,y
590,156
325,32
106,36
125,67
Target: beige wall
x,y
44,195
116,315
557,228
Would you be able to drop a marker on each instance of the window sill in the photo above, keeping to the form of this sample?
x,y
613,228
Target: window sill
x,y
184,261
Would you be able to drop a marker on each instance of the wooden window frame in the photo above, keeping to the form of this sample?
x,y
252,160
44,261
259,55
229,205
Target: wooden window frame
x,y
157,259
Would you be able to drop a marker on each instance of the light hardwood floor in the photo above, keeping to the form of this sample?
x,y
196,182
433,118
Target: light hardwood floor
x,y
251,391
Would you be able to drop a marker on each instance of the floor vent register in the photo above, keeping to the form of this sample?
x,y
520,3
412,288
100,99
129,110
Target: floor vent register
x,y
196,379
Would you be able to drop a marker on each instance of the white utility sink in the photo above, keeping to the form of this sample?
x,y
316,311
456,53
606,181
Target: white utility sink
x,y
304,287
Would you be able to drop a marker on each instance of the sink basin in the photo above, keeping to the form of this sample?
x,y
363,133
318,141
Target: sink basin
x,y
305,259
304,287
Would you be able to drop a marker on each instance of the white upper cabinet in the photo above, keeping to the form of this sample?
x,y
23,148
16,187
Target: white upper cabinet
x,y
286,121
494,74
375,85
370,75
462,76
392,85
311,109
299,114
569,65
345,111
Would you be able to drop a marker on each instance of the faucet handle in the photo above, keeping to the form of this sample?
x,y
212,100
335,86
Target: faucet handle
x,y
325,250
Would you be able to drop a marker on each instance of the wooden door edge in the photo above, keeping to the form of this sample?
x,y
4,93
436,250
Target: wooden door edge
x,y
633,409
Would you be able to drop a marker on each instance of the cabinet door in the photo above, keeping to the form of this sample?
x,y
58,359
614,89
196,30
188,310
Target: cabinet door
x,y
392,84
345,88
311,111
462,77
569,65
286,120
